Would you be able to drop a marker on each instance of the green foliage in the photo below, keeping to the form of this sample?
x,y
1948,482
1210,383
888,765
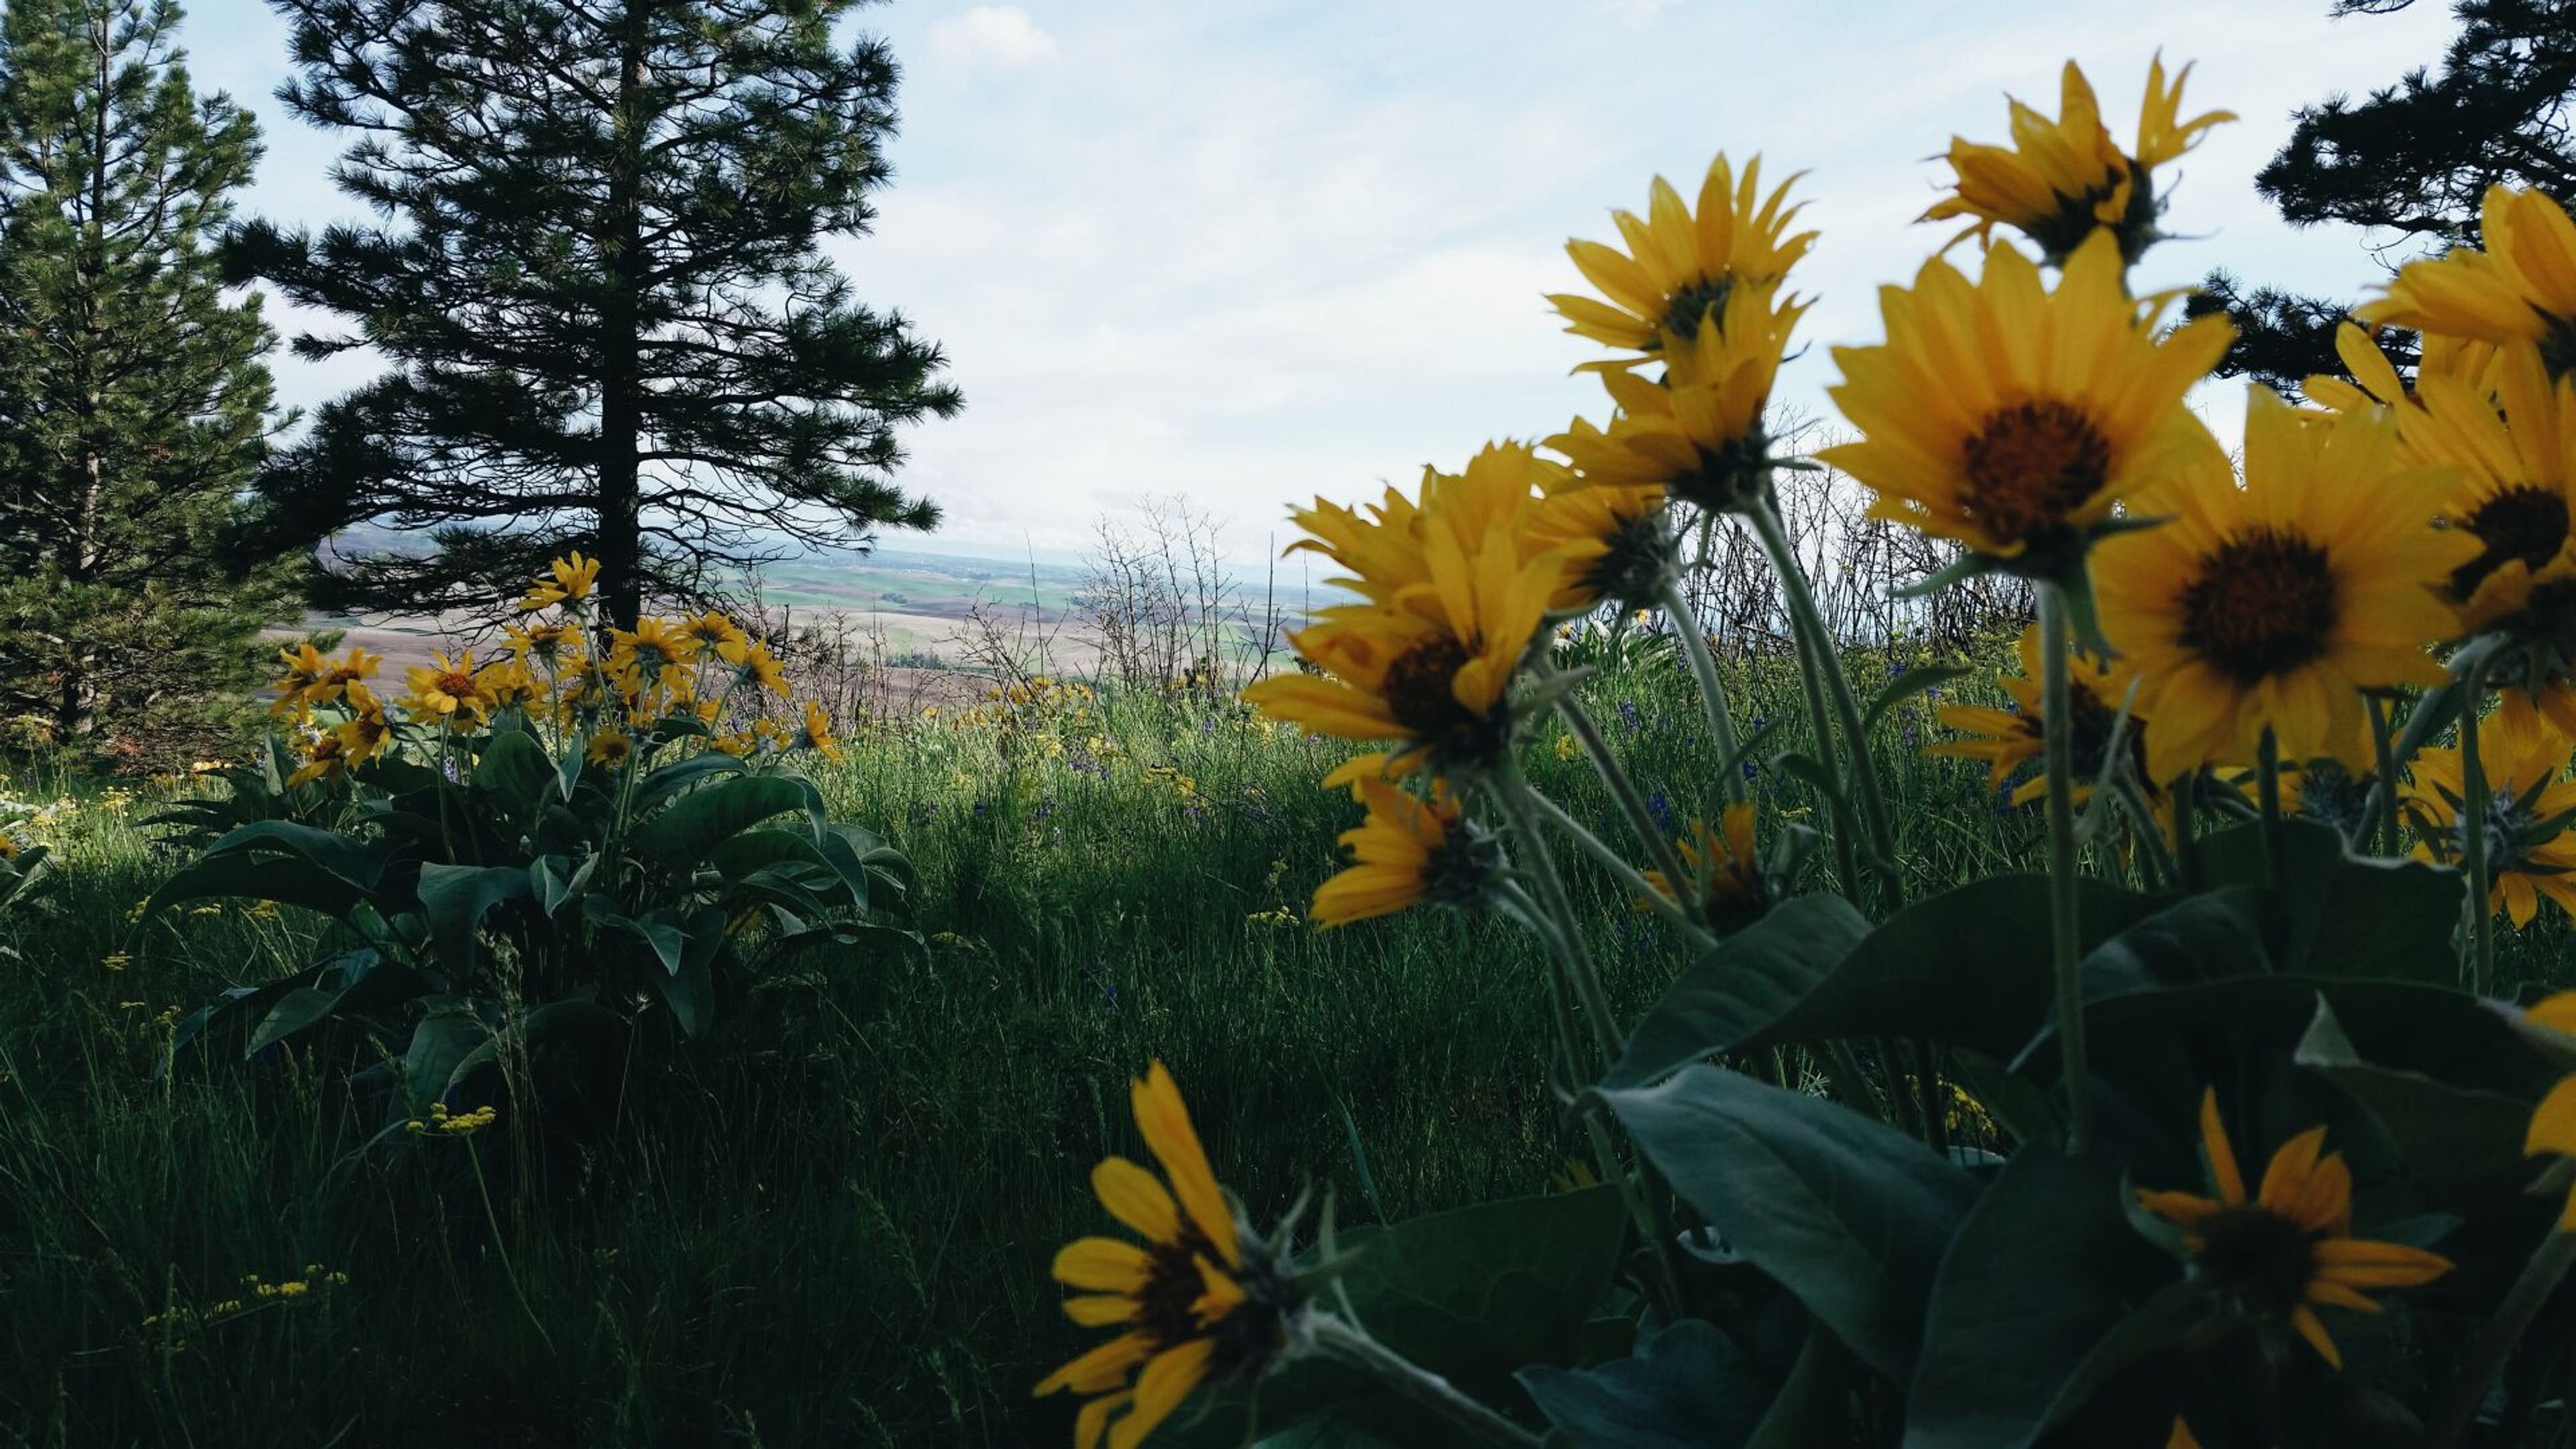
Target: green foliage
x,y
133,404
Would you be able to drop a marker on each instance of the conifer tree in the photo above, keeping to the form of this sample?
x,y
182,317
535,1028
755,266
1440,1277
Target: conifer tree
x,y
133,405
599,282
2410,163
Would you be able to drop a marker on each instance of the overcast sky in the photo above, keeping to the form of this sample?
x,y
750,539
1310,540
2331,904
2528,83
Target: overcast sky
x,y
1252,251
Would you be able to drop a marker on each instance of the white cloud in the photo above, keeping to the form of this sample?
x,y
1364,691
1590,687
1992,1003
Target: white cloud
x,y
1002,37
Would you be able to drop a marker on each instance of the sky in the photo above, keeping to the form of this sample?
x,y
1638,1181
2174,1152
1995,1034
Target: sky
x,y
1251,253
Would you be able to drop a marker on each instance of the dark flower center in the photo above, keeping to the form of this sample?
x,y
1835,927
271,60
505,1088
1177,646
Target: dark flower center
x,y
1637,562
1418,694
1461,866
2265,604
2032,465
2259,1257
2332,794
1704,299
1172,1284
459,686
2090,718
2523,522
2558,346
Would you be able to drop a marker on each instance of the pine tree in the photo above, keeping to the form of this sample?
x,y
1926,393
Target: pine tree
x,y
133,406
2410,163
600,286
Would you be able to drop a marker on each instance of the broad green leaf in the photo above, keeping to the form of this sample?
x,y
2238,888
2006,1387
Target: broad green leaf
x,y
444,1038
453,898
516,770
2347,915
663,782
1850,1215
659,930
2464,1138
282,861
683,833
1810,1407
2028,1313
1687,1386
1747,983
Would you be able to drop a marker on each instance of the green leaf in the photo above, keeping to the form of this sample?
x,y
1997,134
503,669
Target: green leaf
x,y
659,930
443,1039
1687,1386
454,899
683,833
1809,1409
2029,1312
2347,915
1742,986
279,860
515,769
2443,1086
663,782
1850,1215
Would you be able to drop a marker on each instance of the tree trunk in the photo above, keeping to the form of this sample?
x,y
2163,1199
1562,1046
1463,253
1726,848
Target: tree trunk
x,y
621,513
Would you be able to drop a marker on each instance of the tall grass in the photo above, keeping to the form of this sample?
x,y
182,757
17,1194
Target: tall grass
x,y
831,1224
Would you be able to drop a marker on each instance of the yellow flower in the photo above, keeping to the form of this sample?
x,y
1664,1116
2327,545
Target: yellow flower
x,y
323,756
2553,1123
2513,484
2012,419
507,682
1697,433
2289,1248
817,734
549,644
448,692
651,647
1176,1297
757,666
2061,180
609,748
565,579
2521,288
1683,266
1405,851
2005,738
1726,867
366,733
1430,665
2272,606
2529,853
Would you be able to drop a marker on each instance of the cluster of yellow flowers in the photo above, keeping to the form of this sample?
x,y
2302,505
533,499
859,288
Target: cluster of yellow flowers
x,y
461,1125
566,674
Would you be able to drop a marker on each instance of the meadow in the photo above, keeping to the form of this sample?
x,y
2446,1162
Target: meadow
x,y
832,1223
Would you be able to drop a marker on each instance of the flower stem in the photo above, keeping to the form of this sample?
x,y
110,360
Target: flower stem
x,y
1822,661
1698,938
2065,936
1518,802
1623,790
1712,691
2485,1356
2473,785
2384,818
2187,832
1353,1346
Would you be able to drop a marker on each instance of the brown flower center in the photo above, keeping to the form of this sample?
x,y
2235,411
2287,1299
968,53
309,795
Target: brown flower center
x,y
1703,300
2524,522
2261,1258
2031,466
2265,604
455,685
1418,693
1172,1284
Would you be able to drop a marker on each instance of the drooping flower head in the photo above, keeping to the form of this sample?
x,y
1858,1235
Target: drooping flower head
x,y
816,731
566,580
1407,850
2288,1249
754,665
2061,180
1726,871
1198,1300
2529,806
2521,287
2008,738
1683,267
1697,432
2012,418
2273,605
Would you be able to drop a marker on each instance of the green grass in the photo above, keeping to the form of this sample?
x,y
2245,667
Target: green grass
x,y
830,1224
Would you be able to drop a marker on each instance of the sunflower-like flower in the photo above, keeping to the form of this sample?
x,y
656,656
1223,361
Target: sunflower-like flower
x,y
550,645
304,667
1427,661
816,733
2328,792
507,683
2520,288
2515,482
2272,606
2012,418
2553,1122
756,666
652,647
2007,738
1684,269
1696,434
325,756
367,732
1407,850
714,631
1726,870
609,748
2062,180
1201,1299
448,692
565,580
2288,1249
2530,805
